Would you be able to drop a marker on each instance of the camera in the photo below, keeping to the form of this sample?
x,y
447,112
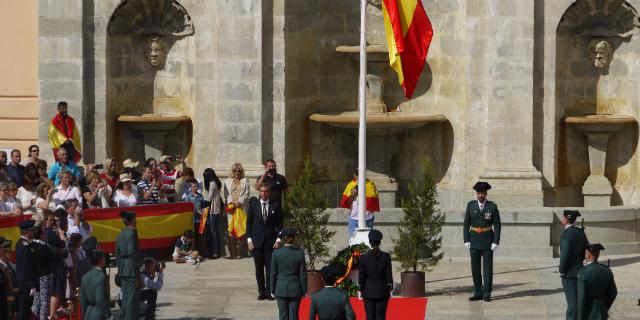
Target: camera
x,y
160,265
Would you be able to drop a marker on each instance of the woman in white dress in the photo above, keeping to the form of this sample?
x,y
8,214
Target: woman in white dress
x,y
65,190
236,193
125,196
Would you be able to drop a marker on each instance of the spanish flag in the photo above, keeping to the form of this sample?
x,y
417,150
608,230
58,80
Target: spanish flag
x,y
62,130
409,34
371,193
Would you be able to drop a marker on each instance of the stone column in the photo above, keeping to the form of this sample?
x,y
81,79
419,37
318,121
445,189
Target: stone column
x,y
508,121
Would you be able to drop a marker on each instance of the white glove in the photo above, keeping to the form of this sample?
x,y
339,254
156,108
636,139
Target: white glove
x,y
32,292
359,295
494,246
467,245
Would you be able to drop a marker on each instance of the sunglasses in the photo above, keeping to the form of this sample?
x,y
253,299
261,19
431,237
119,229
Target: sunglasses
x,y
35,150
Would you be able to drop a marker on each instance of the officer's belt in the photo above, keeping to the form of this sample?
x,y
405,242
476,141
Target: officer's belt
x,y
480,229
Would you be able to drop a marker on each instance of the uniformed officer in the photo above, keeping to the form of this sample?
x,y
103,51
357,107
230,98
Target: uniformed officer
x,y
288,276
7,270
94,299
26,274
572,243
5,283
128,261
596,287
330,303
481,232
375,278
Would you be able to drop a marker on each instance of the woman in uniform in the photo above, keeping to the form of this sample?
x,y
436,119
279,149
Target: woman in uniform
x,y
375,278
288,276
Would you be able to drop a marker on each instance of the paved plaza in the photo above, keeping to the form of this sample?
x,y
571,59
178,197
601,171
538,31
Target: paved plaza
x,y
523,289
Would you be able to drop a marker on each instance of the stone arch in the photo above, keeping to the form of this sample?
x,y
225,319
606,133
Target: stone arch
x,y
600,18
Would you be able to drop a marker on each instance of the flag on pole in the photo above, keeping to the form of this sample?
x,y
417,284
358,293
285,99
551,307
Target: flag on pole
x,y
409,34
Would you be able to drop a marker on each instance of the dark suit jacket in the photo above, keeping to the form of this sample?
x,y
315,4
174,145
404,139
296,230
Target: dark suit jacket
x,y
596,291
489,216
572,242
263,232
26,274
331,303
94,297
375,275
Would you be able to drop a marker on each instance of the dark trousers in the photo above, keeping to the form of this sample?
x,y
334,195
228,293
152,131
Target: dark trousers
x,y
262,261
480,290
130,299
24,302
288,308
213,235
570,286
150,296
376,309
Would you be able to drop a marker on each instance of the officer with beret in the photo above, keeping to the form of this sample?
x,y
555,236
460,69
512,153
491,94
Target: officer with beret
x,y
6,282
481,231
288,276
375,278
331,303
128,261
94,298
572,244
596,287
26,275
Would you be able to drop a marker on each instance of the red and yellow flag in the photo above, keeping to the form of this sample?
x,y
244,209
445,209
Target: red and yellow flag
x,y
371,192
409,34
58,135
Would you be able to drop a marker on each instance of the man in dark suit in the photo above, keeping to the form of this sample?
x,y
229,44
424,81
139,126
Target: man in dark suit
x,y
330,303
481,232
264,221
26,275
572,244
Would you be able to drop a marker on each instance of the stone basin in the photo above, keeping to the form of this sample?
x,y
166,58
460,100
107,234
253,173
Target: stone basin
x,y
375,53
153,128
379,123
599,122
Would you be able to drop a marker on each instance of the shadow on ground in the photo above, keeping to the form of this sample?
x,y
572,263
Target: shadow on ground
x,y
528,293
463,289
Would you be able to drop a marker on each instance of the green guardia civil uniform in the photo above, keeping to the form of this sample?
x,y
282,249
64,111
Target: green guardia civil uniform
x,y
288,280
488,220
128,260
331,303
596,292
572,243
94,299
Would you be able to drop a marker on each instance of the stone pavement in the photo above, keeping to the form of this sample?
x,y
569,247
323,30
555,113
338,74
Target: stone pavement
x,y
523,289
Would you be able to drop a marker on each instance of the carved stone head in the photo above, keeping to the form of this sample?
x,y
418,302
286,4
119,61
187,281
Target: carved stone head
x,y
156,50
600,52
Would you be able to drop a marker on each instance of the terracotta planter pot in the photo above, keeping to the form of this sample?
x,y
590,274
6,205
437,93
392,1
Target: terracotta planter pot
x,y
412,284
314,282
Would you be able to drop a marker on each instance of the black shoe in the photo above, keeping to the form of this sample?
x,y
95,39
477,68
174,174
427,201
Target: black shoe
x,y
475,298
270,297
262,297
487,299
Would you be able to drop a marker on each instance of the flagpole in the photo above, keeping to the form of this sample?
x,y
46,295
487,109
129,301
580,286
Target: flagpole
x,y
362,127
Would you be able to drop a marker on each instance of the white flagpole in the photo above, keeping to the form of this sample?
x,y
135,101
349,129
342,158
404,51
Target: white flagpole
x,y
362,127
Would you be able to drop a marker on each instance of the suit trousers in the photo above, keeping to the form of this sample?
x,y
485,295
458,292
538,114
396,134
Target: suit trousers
x,y
262,262
130,299
24,302
288,307
480,290
376,309
570,286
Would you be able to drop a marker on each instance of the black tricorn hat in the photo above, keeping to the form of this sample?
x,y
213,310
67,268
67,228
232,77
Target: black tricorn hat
x,y
288,232
375,235
27,224
571,214
594,247
481,186
127,215
330,271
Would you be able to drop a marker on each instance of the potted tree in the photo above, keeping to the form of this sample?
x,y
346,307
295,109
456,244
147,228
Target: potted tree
x,y
419,234
306,211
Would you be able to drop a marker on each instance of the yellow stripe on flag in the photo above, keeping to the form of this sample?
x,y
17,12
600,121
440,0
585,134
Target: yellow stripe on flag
x,y
150,227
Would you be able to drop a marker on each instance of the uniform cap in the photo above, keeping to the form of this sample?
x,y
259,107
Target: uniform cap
x,y
128,163
594,247
288,232
375,235
127,215
330,273
27,224
481,186
571,214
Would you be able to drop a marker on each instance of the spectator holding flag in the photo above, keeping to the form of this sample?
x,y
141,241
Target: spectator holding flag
x,y
63,134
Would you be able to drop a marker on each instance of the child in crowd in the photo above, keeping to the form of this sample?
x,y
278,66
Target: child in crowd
x,y
195,197
12,200
184,249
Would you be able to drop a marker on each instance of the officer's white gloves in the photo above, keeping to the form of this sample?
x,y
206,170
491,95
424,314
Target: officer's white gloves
x,y
467,245
32,292
494,246
359,295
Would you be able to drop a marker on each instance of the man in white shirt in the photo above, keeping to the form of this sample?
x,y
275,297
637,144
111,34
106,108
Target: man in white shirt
x,y
75,219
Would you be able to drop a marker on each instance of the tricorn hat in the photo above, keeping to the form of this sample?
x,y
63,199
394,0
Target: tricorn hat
x,y
127,215
375,235
481,186
594,247
330,273
288,232
571,214
27,224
